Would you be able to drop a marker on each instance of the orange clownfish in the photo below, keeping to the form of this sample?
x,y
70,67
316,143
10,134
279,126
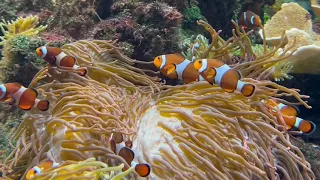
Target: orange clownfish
x,y
176,66
249,19
216,72
123,149
284,109
289,115
25,98
40,168
55,56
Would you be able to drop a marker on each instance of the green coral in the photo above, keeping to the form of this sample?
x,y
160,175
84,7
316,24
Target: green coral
x,y
192,14
19,57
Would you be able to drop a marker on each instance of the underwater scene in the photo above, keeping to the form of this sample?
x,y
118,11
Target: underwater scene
x,y
160,89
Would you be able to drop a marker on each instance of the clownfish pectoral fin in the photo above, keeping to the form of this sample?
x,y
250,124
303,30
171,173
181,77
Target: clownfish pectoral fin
x,y
248,90
211,73
43,105
143,169
170,68
127,154
307,127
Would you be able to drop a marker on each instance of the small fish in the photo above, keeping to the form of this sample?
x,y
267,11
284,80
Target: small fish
x,y
25,98
123,149
216,72
289,115
40,168
56,57
175,66
249,19
284,109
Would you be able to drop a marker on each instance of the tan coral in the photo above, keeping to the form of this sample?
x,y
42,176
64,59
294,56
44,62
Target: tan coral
x,y
291,15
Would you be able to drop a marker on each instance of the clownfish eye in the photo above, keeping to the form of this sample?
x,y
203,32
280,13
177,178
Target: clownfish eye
x,y
159,58
200,62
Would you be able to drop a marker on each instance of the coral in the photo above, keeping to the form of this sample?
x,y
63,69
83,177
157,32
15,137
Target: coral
x,y
151,28
290,16
21,26
19,58
192,14
73,18
178,130
296,23
7,9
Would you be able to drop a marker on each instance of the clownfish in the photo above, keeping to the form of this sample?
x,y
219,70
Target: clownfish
x,y
56,57
249,19
289,115
284,109
25,98
216,72
123,149
40,168
175,66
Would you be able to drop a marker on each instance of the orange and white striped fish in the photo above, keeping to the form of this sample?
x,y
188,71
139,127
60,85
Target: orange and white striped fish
x,y
25,98
216,72
175,66
289,115
40,168
56,57
123,149
284,109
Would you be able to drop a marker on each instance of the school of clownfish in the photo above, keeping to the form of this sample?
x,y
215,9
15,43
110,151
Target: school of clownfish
x,y
173,66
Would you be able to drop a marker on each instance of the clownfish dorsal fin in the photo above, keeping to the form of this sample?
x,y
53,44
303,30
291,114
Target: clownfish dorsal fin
x,y
174,58
211,73
170,68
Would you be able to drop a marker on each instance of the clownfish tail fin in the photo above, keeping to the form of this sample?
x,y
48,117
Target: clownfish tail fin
x,y
143,169
248,90
307,127
35,91
43,105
